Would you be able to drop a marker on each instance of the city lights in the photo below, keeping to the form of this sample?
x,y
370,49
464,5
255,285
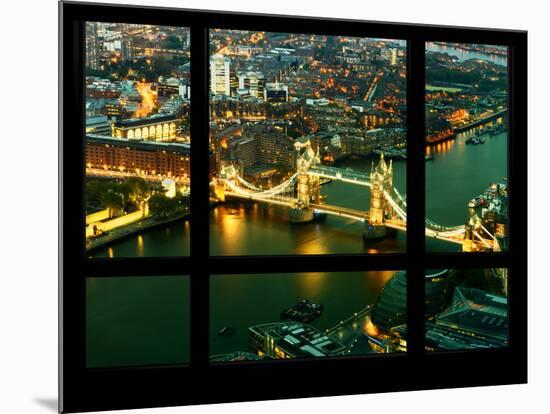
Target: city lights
x,y
137,130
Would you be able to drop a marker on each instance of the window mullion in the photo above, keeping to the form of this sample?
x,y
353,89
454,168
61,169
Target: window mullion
x,y
199,195
415,195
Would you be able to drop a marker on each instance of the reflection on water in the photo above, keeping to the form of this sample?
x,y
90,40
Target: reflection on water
x,y
259,229
168,240
311,284
241,301
243,228
458,173
140,245
316,284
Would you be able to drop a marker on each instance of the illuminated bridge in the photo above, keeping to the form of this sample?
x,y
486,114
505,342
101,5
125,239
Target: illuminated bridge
x,y
301,194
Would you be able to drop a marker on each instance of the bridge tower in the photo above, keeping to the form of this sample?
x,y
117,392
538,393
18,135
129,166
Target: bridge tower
x,y
470,244
307,187
226,172
472,225
381,178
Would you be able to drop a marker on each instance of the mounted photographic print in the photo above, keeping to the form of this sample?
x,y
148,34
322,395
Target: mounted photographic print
x,y
355,222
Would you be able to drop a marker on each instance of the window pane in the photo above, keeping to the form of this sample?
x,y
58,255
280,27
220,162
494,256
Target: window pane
x,y
467,147
138,95
134,321
308,143
466,309
304,315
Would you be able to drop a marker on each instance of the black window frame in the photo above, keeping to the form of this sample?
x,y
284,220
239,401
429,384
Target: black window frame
x,y
198,382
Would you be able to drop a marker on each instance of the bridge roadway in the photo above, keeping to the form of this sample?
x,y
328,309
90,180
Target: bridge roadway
x,y
344,175
291,202
356,215
433,230
344,212
450,234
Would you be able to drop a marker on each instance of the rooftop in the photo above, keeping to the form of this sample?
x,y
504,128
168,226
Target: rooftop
x,y
134,122
299,339
477,311
137,144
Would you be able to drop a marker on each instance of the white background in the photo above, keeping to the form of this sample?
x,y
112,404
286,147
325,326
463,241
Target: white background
x,y
28,206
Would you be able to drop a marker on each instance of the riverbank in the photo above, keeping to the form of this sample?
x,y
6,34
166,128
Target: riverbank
x,y
465,128
132,229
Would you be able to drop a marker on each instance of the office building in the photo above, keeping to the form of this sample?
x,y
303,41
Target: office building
x,y
220,82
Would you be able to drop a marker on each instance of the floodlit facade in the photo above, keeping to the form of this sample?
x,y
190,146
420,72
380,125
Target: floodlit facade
x,y
220,82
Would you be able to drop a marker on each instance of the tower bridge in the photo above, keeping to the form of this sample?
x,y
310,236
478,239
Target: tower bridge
x,y
301,194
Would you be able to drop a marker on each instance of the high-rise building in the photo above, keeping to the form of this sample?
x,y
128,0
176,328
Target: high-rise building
x,y
92,46
254,82
233,82
186,40
393,57
220,75
126,48
330,49
184,89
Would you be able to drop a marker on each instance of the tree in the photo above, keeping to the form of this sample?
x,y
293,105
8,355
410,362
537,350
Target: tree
x,y
181,202
94,189
138,189
173,42
112,200
161,66
160,205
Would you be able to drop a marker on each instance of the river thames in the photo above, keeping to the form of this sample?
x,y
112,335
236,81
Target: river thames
x,y
234,300
457,173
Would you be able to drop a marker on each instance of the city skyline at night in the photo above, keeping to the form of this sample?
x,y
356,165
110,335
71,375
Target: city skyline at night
x,y
467,144
312,130
307,155
138,96
305,129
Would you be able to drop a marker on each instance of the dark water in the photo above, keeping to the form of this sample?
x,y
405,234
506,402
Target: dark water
x,y
137,321
463,55
240,301
149,325
170,240
459,173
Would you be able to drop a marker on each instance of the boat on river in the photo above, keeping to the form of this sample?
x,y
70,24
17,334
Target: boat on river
x,y
304,311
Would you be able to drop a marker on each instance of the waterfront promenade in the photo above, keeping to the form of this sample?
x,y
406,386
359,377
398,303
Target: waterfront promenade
x,y
131,229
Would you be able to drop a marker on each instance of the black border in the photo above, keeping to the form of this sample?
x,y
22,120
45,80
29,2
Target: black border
x,y
88,390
